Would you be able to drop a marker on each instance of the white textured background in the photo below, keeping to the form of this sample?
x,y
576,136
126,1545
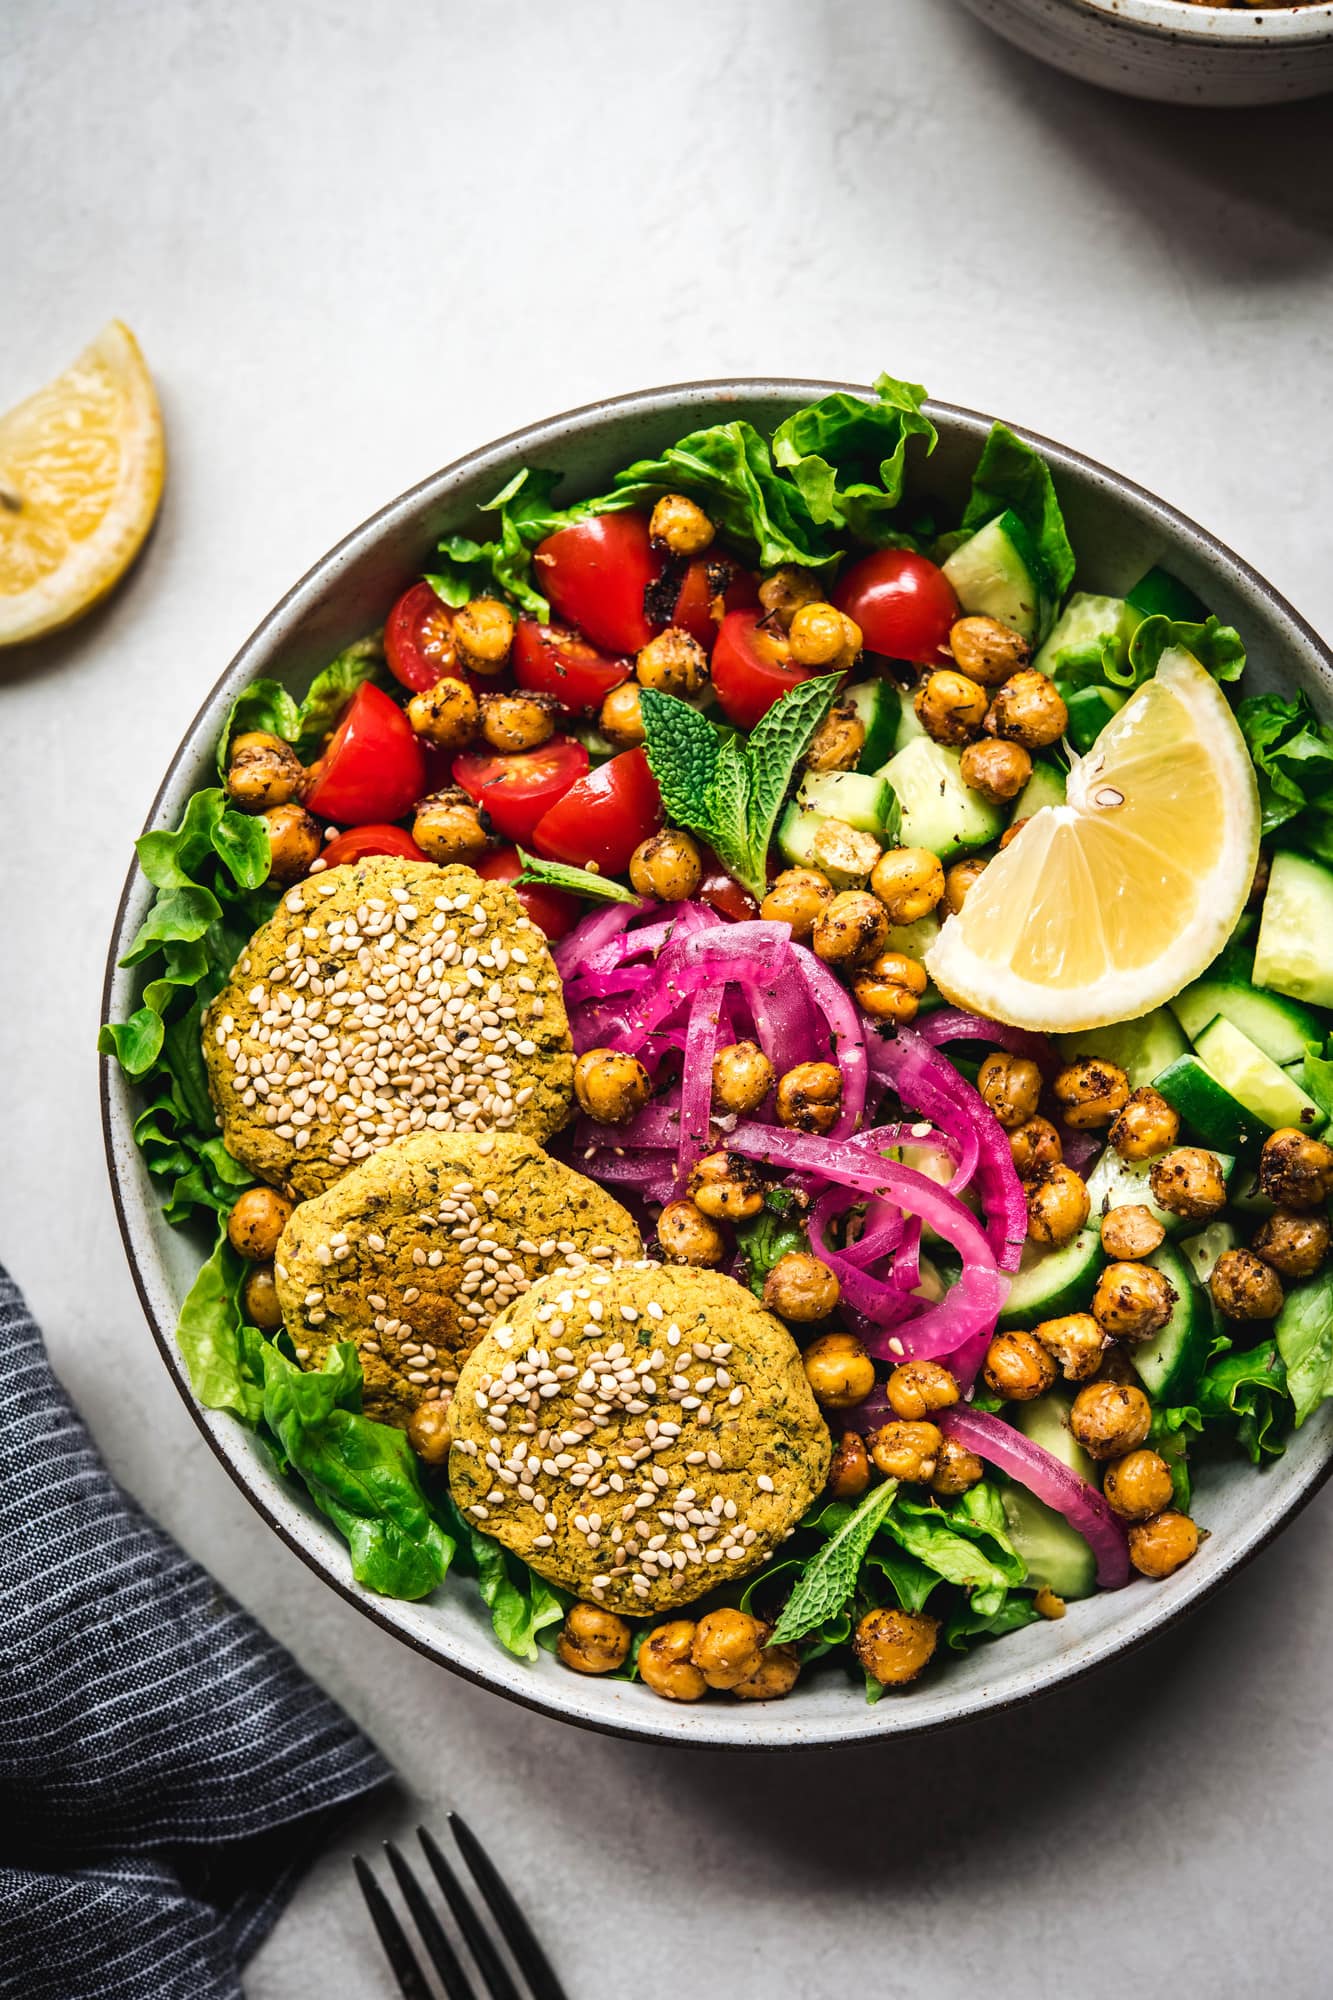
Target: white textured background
x,y
357,239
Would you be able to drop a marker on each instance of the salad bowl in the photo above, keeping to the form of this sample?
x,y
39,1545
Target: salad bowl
x,y
1120,531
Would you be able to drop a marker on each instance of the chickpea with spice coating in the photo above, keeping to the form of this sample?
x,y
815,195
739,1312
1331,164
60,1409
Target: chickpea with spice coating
x,y
909,1452
1076,1341
1132,1301
1018,1367
666,1663
849,1472
1296,1171
852,930
448,827
430,1430
962,877
688,1236
1147,1126
742,1078
1138,1485
593,1641
1058,1204
890,987
986,650
809,1098
667,865
838,742
823,638
483,635
672,663
801,1288
620,718
950,707
1162,1545
259,1299
1110,1418
257,1220
797,897
727,1187
728,1646
956,1470
1294,1244
782,594
1091,1092
262,771
909,881
1131,1232
610,1085
293,842
838,1369
1010,1086
895,1646
1189,1182
915,1389
1028,709
1243,1287
776,1675
680,525
512,722
1033,1144
996,769
447,715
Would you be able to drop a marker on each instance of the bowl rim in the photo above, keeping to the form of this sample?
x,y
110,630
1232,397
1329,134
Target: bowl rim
x,y
1217,26
864,1722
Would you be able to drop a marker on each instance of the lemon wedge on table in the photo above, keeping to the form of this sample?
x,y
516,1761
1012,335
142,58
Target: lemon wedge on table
x,y
1104,907
81,466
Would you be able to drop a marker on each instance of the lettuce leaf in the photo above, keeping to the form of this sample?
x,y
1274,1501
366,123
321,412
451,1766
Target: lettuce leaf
x,y
1292,752
1011,475
848,457
1304,1334
266,705
522,1604
1215,646
729,470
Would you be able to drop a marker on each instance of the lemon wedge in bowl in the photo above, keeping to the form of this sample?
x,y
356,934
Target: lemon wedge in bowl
x,y
81,467
1104,907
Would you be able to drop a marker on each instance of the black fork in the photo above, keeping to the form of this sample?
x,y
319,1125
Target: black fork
x,y
496,1980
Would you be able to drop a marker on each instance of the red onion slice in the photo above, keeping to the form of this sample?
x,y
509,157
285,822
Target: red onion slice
x,y
1051,1481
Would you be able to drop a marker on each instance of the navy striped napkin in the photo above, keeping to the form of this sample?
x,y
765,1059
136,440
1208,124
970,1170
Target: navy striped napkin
x,y
166,1769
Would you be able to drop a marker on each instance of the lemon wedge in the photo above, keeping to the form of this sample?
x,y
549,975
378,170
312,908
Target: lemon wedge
x,y
81,467
1104,907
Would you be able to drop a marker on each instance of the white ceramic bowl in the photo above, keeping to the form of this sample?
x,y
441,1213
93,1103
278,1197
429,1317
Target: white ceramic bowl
x,y
1119,531
1173,51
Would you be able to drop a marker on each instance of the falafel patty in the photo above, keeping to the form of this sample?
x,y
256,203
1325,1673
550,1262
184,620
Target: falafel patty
x,y
638,1435
413,1253
381,999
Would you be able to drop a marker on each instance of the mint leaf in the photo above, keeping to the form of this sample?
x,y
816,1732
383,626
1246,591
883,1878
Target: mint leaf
x,y
729,816
579,881
775,748
829,1578
683,751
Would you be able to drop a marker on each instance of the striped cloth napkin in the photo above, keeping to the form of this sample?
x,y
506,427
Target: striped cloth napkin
x,y
166,1769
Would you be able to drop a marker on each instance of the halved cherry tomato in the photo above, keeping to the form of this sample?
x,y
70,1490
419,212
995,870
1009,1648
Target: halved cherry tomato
x,y
903,603
419,638
604,816
517,790
595,573
749,671
550,660
693,610
359,841
726,896
554,911
373,768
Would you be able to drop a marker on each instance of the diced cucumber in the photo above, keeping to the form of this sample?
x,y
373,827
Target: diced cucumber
x,y
1278,1026
1171,1362
1159,594
1201,1252
810,839
879,707
938,811
1117,1183
1254,1079
1142,1048
1046,787
1050,1282
857,798
1046,1421
914,940
1090,709
998,571
1088,620
1295,950
1209,1114
1056,1555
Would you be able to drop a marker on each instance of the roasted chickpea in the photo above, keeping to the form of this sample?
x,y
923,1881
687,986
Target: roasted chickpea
x,y
257,1220
1076,1341
1294,1244
611,1086
430,1430
797,897
809,1097
1033,1144
1132,1301
728,1646
782,594
727,1187
593,1641
448,827
956,1469
950,707
667,865
962,877
909,1452
1018,1367
986,650
801,1288
822,637
1090,1092
447,715
688,1236
894,1646
680,525
1110,1418
849,1473
1047,1605
838,1369
1244,1287
996,769
259,1299
262,771
838,742
1147,1126
909,881
483,635
666,1663
1058,1204
514,722
1131,1232
1296,1171
620,718
1138,1485
1161,1545
1028,709
1011,1086
890,987
673,663
293,842
776,1675
742,1078
917,1388
1011,833
852,930
1189,1182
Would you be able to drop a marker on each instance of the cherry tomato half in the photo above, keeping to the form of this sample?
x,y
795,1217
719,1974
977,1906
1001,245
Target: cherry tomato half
x,y
704,580
749,671
554,911
604,816
515,791
419,638
903,603
550,660
595,573
373,768
724,895
359,841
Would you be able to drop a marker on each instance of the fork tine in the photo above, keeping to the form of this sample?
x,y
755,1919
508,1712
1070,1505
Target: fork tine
x,y
514,1926
489,1963
411,1980
438,1948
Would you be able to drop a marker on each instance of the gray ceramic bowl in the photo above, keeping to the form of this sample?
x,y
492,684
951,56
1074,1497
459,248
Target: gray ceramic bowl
x,y
1175,52
1119,530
